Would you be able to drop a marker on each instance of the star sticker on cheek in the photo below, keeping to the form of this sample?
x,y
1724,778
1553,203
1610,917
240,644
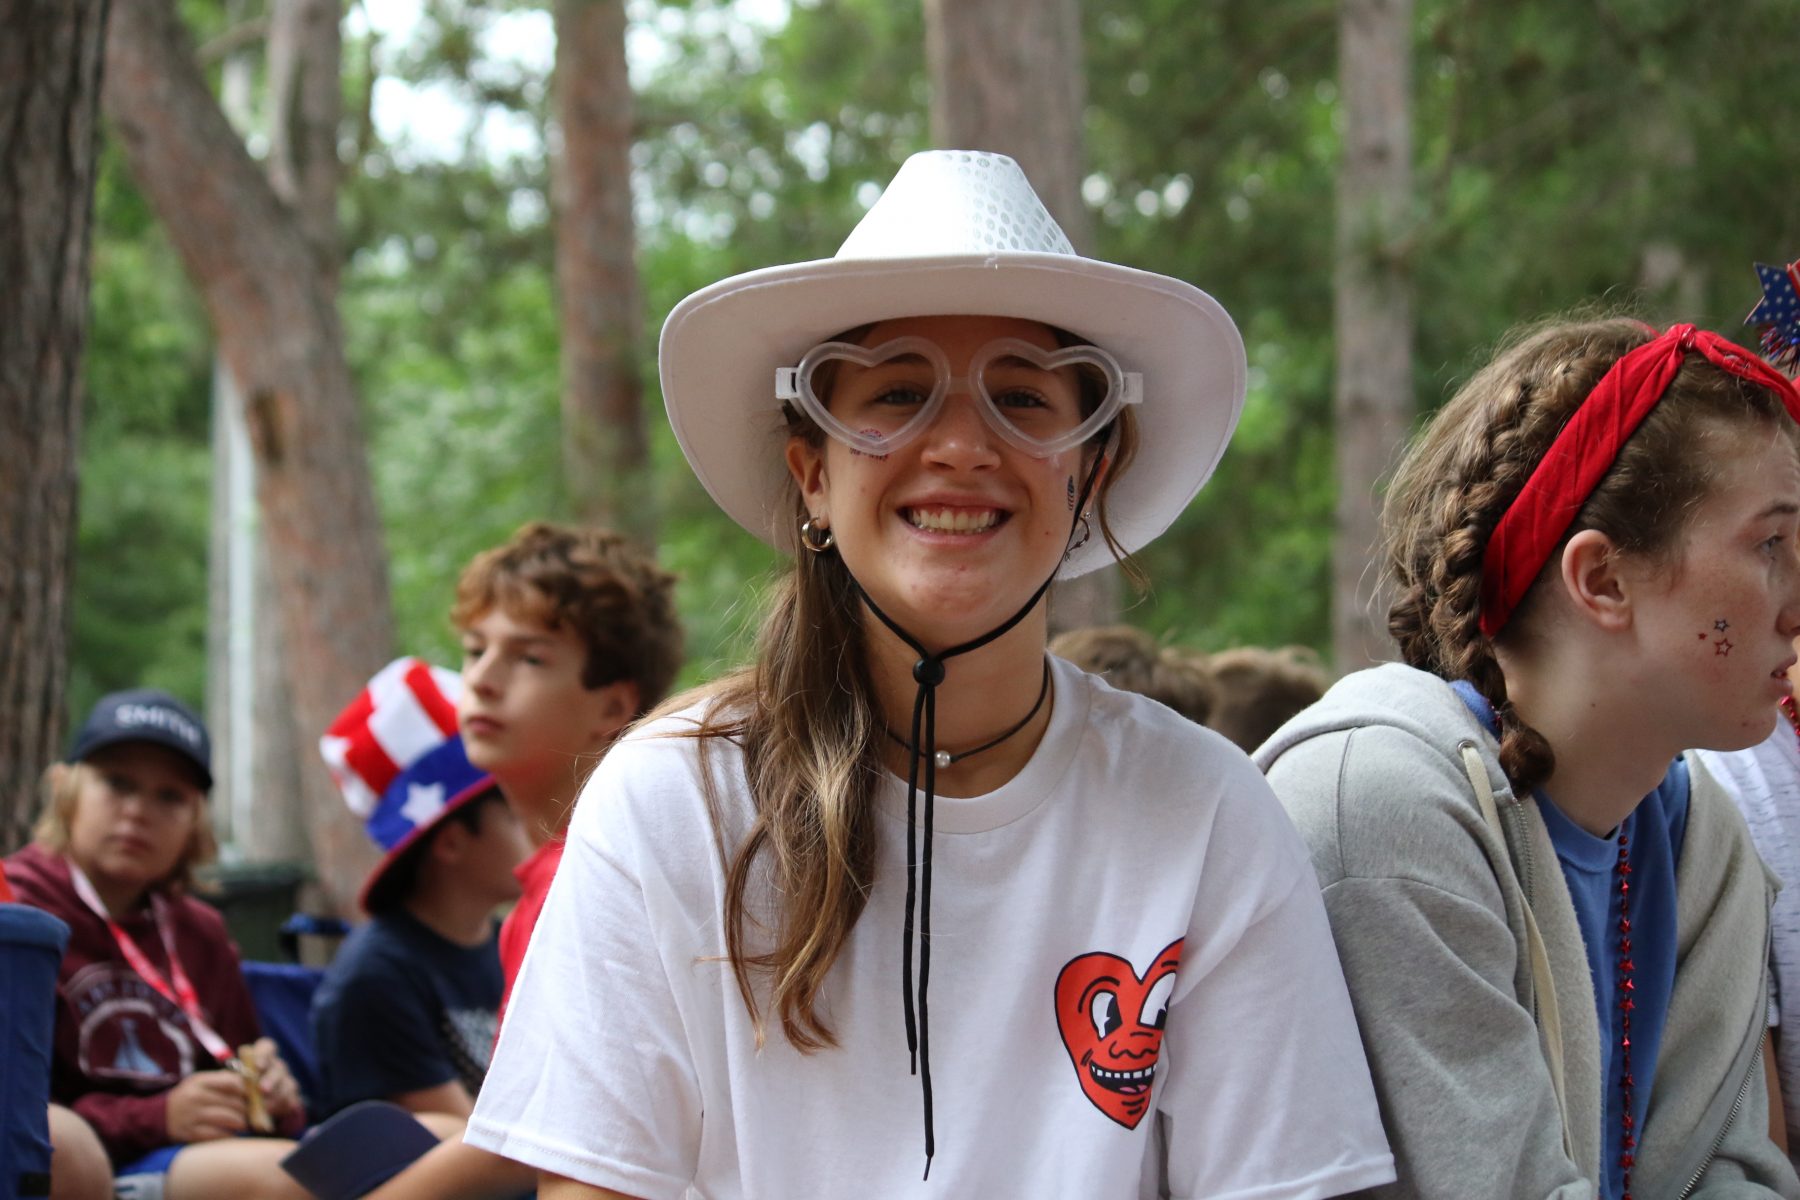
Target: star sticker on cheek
x,y
1722,648
1721,625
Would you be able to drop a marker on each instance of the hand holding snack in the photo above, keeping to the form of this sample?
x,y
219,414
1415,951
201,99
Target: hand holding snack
x,y
204,1106
280,1091
248,1065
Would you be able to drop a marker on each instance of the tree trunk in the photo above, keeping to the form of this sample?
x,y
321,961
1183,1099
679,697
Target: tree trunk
x,y
305,90
1373,318
605,448
275,318
50,66
1007,76
305,57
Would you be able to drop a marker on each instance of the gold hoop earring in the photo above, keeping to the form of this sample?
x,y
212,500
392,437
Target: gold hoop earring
x,y
816,536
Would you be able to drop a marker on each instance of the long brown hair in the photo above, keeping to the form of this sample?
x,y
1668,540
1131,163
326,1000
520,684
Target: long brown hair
x,y
805,718
1471,461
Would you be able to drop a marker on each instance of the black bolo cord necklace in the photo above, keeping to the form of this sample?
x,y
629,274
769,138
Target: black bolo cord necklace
x,y
928,673
946,759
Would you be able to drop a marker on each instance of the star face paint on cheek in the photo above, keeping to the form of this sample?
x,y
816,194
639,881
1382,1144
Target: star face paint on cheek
x,y
1721,645
864,453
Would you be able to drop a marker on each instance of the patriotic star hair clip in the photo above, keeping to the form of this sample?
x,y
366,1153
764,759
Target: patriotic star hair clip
x,y
1777,315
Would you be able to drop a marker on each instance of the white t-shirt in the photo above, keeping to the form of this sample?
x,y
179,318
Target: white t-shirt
x,y
1765,782
1132,840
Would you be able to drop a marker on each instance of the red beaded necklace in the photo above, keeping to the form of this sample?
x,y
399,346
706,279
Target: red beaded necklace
x,y
1628,1143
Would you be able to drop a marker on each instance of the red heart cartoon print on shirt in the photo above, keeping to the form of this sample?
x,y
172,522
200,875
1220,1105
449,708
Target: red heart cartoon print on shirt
x,y
1111,1020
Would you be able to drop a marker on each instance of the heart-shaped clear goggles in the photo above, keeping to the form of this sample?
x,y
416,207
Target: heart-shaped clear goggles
x,y
877,399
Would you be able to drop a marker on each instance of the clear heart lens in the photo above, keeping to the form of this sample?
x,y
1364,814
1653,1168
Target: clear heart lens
x,y
1042,401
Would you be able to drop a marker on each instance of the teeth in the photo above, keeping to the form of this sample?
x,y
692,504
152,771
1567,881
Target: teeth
x,y
952,520
1103,1073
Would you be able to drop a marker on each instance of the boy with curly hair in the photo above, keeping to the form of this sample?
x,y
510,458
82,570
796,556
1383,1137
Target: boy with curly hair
x,y
569,634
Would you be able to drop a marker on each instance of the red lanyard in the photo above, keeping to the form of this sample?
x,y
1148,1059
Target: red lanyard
x,y
181,994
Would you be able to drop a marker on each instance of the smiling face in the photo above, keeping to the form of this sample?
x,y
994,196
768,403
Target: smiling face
x,y
1719,625
952,532
1112,1020
136,809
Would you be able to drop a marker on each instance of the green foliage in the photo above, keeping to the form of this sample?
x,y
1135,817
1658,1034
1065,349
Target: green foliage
x,y
451,328
1211,143
139,592
140,615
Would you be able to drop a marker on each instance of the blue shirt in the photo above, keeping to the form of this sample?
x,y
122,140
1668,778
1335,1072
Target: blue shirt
x,y
403,1009
1654,833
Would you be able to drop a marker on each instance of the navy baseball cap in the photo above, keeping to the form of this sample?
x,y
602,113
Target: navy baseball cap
x,y
146,715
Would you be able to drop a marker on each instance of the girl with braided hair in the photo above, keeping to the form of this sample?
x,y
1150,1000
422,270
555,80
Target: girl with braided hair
x,y
1765,779
1552,922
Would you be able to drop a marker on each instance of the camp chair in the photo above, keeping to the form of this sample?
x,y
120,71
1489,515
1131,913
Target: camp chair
x,y
31,950
282,993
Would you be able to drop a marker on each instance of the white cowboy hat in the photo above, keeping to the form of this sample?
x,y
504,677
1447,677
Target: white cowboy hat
x,y
956,232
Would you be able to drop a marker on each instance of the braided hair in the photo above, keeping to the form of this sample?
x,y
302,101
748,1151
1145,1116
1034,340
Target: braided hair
x,y
1471,461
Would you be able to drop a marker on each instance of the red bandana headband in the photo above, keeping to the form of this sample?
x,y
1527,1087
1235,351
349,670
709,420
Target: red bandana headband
x,y
1586,449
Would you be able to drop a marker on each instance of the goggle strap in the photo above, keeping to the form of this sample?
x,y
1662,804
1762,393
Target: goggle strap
x,y
1133,392
1093,477
787,383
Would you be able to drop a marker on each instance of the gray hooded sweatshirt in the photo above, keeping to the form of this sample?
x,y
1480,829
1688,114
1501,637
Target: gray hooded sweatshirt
x,y
1429,908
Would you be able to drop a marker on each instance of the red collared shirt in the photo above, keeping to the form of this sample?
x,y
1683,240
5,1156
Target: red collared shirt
x,y
534,876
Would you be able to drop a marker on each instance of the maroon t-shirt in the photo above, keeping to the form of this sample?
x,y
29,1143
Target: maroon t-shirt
x,y
120,1045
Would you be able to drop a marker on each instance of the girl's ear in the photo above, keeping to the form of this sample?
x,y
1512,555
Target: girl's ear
x,y
1595,582
806,463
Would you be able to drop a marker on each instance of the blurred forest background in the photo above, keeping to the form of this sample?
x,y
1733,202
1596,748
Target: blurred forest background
x,y
1552,154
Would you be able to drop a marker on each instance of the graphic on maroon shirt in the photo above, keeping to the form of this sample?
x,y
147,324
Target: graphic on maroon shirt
x,y
1111,1020
128,1032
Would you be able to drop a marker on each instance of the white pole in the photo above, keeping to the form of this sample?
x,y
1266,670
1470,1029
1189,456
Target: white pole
x,y
235,461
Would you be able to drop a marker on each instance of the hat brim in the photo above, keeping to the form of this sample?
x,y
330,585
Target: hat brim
x,y
720,348
91,746
374,898
358,1149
